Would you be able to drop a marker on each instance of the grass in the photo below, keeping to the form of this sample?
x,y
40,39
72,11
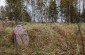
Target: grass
x,y
45,39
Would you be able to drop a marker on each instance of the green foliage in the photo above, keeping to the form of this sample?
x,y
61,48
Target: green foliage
x,y
26,16
39,3
53,12
66,3
14,8
17,11
39,52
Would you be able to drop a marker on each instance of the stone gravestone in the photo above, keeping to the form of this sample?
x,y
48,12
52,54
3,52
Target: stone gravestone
x,y
20,35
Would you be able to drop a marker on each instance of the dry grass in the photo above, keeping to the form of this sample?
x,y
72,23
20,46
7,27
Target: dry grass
x,y
45,39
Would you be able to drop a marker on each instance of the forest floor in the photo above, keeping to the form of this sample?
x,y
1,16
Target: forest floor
x,y
45,39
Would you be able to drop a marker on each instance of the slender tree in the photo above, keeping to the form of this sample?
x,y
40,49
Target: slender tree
x,y
69,10
53,13
83,13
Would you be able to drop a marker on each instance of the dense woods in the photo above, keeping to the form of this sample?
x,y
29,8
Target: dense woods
x,y
69,11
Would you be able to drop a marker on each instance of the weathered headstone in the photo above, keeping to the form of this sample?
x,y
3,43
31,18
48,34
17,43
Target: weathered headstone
x,y
20,35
